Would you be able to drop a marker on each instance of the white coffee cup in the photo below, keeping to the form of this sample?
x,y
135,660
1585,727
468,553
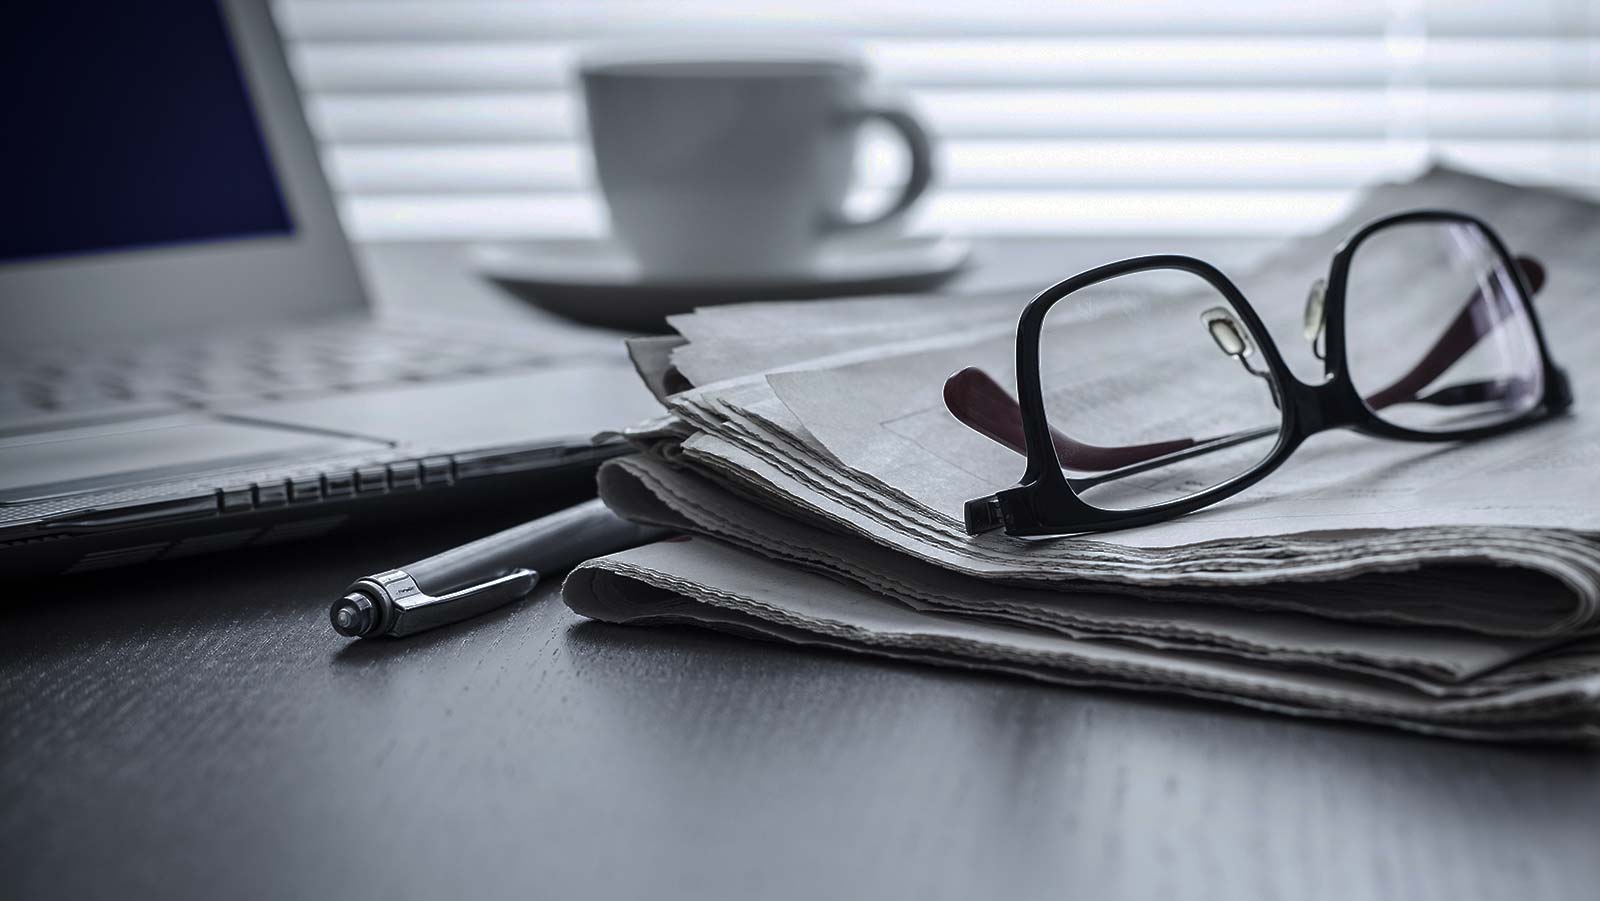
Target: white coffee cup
x,y
729,166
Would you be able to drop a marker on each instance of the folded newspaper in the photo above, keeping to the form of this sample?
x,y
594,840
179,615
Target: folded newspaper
x,y
1450,589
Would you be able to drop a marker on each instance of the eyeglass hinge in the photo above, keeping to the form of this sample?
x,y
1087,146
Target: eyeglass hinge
x,y
983,515
1558,394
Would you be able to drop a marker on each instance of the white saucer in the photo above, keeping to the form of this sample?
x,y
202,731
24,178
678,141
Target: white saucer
x,y
597,281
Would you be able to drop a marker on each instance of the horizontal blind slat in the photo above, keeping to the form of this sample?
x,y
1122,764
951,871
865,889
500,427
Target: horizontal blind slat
x,y
412,20
478,217
970,113
1339,61
995,164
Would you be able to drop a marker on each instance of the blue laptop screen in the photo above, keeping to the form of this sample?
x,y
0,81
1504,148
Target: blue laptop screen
x,y
127,125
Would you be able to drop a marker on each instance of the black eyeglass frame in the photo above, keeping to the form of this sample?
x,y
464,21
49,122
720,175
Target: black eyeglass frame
x,y
1044,504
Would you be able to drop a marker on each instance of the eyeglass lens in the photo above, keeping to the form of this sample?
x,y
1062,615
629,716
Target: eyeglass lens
x,y
1155,388
1437,330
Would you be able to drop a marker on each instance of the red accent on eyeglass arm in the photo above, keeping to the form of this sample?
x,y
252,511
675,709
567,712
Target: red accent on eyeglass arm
x,y
983,406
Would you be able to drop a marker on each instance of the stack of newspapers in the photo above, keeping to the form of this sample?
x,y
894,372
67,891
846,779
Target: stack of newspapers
x,y
1451,589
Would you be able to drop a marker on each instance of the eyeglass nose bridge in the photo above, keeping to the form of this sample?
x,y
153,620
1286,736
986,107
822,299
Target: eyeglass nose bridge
x,y
1328,405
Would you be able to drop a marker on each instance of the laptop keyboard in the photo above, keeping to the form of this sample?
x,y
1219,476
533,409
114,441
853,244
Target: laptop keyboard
x,y
312,361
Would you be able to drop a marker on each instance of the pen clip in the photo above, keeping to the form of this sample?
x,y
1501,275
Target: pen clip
x,y
417,611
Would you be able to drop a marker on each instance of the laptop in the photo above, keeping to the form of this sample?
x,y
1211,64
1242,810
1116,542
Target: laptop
x,y
188,362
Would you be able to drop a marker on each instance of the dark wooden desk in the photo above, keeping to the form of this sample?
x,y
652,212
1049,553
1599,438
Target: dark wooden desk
x,y
198,731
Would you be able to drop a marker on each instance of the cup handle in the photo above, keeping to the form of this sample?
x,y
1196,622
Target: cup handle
x,y
921,148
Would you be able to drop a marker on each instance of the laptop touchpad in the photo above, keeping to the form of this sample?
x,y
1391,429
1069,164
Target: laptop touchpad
x,y
69,461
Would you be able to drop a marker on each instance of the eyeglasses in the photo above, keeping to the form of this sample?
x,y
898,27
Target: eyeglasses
x,y
1156,390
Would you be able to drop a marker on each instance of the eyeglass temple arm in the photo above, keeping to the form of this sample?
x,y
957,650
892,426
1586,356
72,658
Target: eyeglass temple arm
x,y
981,404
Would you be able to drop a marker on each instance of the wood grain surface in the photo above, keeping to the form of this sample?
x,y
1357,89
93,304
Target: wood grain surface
x,y
197,730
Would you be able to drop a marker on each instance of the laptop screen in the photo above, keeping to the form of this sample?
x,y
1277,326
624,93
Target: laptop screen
x,y
128,125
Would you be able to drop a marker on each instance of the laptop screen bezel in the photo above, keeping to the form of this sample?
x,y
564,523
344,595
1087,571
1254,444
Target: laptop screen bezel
x,y
241,283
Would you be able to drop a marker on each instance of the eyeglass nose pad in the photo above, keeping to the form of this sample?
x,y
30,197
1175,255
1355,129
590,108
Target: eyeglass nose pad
x,y
1234,340
1231,339
1314,321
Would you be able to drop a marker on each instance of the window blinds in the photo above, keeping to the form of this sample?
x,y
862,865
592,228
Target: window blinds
x,y
459,120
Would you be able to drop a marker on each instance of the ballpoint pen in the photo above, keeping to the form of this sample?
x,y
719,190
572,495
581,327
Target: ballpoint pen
x,y
478,577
